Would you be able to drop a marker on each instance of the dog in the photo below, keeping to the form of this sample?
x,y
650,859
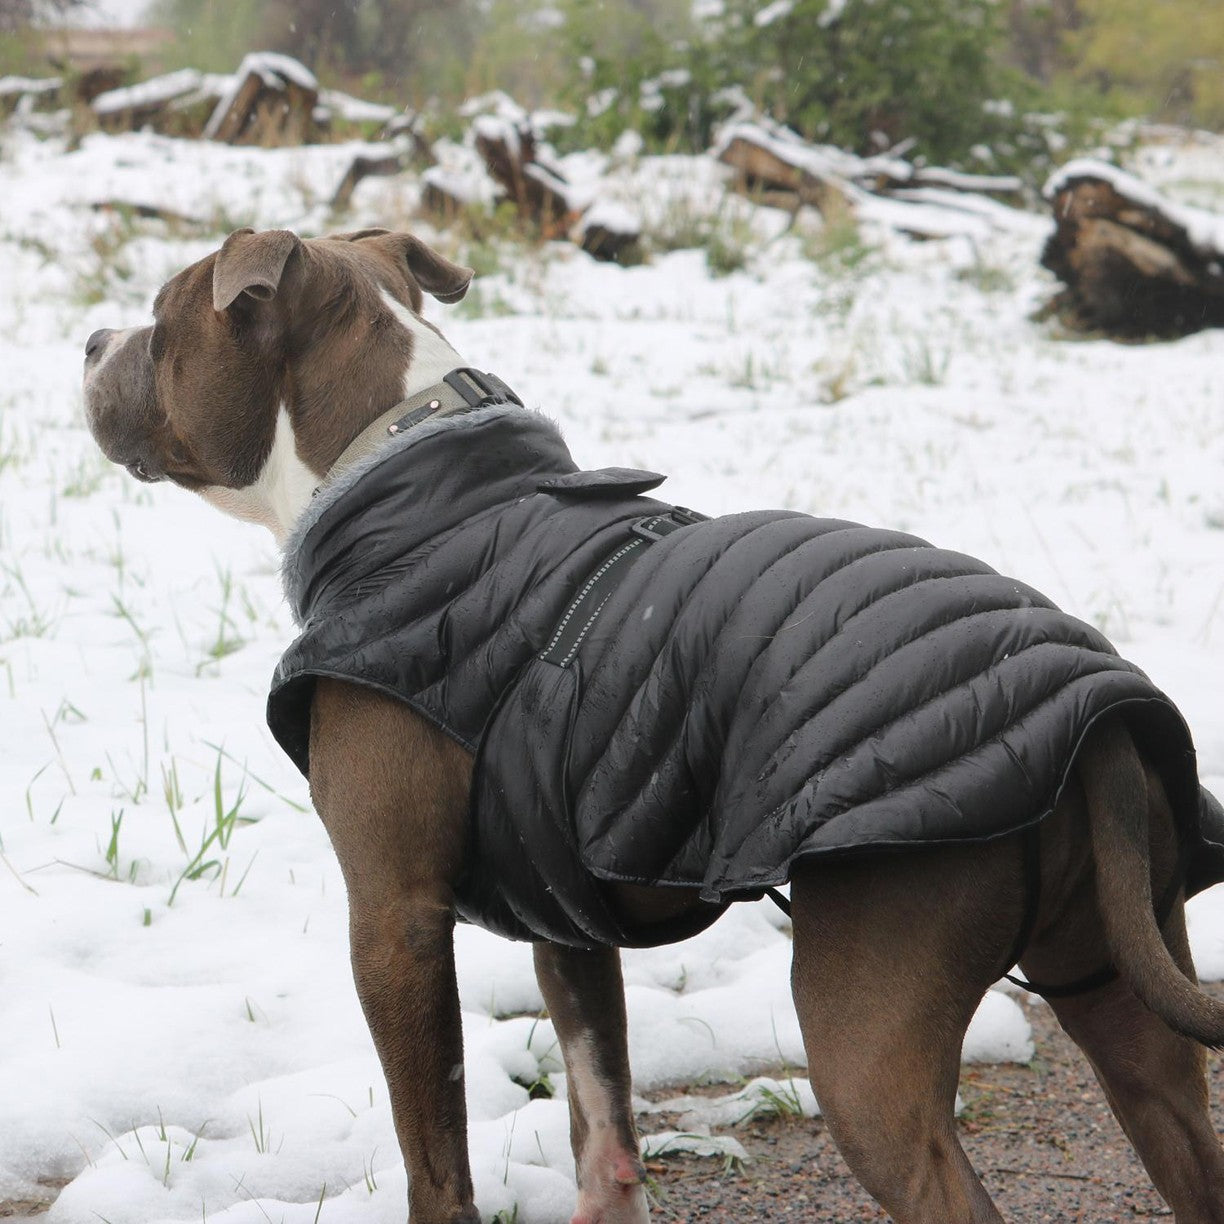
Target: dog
x,y
276,362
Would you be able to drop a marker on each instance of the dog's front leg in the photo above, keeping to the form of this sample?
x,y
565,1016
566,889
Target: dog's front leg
x,y
586,1000
404,967
392,793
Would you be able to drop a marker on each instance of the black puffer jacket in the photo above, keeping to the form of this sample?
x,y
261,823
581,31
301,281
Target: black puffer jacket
x,y
759,688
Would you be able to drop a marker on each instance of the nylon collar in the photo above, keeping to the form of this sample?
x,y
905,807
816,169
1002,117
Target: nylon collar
x,y
462,390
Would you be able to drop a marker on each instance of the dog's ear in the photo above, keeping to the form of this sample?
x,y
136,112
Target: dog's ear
x,y
253,264
447,281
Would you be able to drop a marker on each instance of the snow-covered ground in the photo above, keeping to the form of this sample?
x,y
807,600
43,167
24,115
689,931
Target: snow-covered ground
x,y
181,1038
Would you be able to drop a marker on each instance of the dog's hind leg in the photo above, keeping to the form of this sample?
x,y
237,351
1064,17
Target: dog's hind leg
x,y
1154,1079
586,1000
1155,1083
891,958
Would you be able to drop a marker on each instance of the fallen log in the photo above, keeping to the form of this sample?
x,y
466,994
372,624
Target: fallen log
x,y
773,160
365,166
272,102
776,166
177,104
148,212
1133,263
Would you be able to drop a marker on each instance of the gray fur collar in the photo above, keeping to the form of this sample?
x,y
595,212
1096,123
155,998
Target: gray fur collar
x,y
327,495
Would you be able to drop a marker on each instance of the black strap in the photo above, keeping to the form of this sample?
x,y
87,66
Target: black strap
x,y
1107,973
782,902
583,611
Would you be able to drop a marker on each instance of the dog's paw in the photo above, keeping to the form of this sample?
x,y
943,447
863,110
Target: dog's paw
x,y
618,1199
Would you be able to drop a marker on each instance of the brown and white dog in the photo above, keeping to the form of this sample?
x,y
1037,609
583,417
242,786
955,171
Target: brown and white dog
x,y
264,361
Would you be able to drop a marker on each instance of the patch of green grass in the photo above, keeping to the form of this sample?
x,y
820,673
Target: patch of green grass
x,y
836,245
107,262
484,302
227,640
214,839
725,233
35,621
86,477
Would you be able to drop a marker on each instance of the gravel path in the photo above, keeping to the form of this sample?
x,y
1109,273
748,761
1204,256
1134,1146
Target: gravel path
x,y
1041,1136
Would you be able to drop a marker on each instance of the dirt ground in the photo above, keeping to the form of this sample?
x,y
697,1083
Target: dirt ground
x,y
1041,1136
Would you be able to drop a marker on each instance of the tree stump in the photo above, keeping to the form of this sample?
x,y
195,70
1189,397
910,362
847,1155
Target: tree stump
x,y
272,102
610,233
510,153
1133,263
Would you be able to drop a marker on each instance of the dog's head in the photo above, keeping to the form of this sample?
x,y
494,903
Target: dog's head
x,y
321,335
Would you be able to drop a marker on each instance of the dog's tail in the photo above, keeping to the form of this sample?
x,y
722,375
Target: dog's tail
x,y
1118,804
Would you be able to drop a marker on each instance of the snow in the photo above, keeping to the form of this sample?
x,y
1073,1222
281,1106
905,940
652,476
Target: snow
x,y
148,93
184,1040
773,12
356,110
958,181
611,216
29,85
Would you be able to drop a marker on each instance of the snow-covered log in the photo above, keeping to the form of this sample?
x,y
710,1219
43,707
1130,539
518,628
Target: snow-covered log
x,y
177,104
272,102
768,158
511,154
775,164
1133,262
609,232
28,93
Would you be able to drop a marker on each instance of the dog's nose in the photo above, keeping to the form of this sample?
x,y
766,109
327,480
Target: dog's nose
x,y
97,341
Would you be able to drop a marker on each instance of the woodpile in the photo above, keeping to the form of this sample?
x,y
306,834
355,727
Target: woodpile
x,y
1133,263
774,166
511,152
525,174
272,102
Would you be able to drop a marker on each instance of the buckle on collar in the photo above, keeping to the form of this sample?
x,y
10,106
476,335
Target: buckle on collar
x,y
479,390
659,525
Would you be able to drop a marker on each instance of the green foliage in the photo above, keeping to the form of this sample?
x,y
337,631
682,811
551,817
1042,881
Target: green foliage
x,y
408,48
877,73
22,53
641,65
212,35
1162,59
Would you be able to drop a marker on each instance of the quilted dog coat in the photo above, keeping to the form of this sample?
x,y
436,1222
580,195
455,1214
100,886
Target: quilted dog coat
x,y
759,688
